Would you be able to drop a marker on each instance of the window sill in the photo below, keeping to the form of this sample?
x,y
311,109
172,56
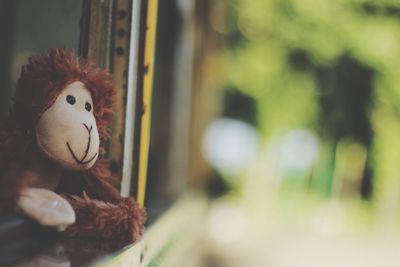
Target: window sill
x,y
168,239
23,242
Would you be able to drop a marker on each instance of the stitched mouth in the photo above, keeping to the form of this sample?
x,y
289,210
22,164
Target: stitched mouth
x,y
80,161
83,161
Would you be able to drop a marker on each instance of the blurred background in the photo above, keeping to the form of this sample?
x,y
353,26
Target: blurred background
x,y
306,143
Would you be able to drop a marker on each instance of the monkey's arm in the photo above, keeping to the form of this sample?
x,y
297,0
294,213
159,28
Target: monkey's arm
x,y
103,213
122,221
41,205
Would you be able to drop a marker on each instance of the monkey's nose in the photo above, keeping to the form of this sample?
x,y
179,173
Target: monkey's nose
x,y
89,129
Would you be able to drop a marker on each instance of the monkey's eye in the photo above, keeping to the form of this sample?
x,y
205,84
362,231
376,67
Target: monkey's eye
x,y
88,107
71,99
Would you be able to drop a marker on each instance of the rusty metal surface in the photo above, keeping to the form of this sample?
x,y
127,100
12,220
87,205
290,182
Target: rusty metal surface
x,y
119,66
99,32
105,40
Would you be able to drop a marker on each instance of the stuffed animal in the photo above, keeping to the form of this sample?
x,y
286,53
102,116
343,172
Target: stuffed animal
x,y
51,151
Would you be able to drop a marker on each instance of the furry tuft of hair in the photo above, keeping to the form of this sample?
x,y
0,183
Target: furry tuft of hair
x,y
46,75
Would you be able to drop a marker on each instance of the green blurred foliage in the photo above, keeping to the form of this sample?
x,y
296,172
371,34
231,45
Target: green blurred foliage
x,y
275,49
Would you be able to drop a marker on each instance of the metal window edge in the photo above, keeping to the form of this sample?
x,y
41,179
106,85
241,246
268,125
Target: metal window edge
x,y
178,227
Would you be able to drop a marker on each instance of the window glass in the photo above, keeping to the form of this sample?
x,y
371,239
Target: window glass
x,y
31,27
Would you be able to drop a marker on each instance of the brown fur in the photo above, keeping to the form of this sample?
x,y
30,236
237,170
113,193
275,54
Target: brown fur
x,y
100,210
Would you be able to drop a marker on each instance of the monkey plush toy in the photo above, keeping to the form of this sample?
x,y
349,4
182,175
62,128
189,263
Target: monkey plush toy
x,y
51,149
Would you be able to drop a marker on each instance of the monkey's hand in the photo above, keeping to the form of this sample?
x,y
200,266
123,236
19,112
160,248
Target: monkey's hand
x,y
122,221
47,208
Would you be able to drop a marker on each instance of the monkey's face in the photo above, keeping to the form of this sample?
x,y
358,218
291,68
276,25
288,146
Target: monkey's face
x,y
67,131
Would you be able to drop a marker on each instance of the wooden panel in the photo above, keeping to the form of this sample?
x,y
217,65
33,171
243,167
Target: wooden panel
x,y
96,31
105,39
119,68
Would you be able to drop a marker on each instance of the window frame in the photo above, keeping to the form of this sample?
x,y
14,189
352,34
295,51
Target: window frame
x,y
120,36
